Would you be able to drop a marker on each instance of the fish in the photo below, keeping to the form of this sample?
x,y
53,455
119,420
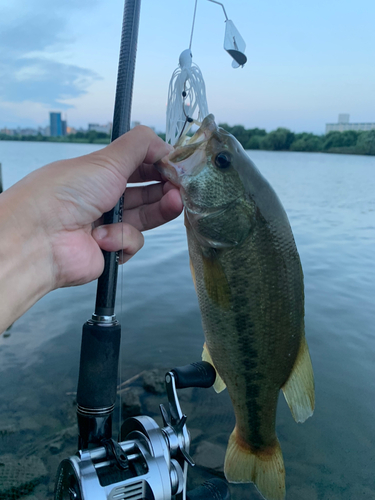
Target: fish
x,y
249,282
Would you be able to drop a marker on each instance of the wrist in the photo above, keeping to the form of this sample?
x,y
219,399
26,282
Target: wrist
x,y
26,269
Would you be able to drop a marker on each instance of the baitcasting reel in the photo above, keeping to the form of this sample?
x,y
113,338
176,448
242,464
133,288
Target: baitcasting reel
x,y
150,462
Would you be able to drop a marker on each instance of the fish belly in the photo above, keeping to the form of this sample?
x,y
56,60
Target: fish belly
x,y
253,335
252,305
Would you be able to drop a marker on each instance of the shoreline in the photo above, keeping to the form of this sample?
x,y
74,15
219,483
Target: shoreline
x,y
335,150
76,141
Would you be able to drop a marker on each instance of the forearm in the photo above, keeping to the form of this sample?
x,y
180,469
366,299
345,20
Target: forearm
x,y
25,261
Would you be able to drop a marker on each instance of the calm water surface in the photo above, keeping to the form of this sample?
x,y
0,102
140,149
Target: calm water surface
x,y
331,206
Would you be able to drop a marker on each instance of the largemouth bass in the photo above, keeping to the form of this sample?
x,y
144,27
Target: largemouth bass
x,y
249,282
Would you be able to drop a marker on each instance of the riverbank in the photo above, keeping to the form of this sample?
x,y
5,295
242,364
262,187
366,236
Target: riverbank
x,y
282,139
91,137
350,142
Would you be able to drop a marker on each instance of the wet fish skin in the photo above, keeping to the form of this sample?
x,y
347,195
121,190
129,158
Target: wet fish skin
x,y
249,283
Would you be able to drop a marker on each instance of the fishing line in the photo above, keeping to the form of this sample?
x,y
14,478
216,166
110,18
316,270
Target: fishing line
x,y
122,322
192,28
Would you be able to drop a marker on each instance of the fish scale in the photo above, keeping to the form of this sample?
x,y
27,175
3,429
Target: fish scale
x,y
249,283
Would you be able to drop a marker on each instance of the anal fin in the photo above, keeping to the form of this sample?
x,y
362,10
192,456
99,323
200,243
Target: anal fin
x,y
219,384
299,388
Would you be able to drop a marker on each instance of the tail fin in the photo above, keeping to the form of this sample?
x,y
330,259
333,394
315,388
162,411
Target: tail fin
x,y
264,468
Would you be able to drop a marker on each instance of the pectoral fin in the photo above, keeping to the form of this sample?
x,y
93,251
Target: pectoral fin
x,y
219,384
192,270
299,388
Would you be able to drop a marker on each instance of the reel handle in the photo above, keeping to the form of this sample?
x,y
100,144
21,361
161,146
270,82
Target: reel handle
x,y
214,489
199,374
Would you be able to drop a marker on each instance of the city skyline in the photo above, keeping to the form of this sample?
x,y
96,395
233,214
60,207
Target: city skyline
x,y
59,127
303,68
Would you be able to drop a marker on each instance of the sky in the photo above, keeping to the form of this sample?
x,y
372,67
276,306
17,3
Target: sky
x,y
307,61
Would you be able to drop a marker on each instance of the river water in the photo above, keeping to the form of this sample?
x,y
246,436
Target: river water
x,y
331,206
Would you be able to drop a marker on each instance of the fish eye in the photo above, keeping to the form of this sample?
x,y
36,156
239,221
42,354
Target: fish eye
x,y
223,160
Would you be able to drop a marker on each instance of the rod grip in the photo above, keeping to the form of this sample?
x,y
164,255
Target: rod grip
x,y
199,374
97,382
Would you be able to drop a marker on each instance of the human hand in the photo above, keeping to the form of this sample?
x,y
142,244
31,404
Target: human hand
x,y
53,211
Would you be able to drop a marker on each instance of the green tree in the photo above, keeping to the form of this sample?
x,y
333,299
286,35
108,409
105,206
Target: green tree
x,y
306,142
366,143
345,139
254,142
277,140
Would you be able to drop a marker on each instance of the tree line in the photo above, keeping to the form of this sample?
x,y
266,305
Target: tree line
x,y
282,139
92,136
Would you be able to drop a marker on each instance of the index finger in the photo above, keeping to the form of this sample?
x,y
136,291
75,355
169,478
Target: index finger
x,y
139,145
145,173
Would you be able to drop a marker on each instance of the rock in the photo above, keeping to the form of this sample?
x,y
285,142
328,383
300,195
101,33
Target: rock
x,y
305,492
359,491
131,404
154,381
62,439
41,492
19,477
70,432
195,434
29,423
210,456
7,430
56,446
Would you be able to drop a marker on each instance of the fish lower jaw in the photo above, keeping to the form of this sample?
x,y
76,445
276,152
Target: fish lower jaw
x,y
179,169
171,175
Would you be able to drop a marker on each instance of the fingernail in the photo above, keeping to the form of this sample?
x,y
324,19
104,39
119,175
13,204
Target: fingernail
x,y
101,232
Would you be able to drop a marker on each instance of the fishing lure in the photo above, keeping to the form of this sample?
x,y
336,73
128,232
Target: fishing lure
x,y
187,90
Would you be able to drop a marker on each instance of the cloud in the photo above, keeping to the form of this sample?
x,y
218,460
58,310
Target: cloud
x,y
43,80
30,36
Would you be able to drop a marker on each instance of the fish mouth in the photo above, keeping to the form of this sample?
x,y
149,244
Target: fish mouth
x,y
205,131
190,152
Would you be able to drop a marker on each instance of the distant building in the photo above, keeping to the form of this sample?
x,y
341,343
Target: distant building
x,y
134,124
343,125
7,131
19,131
27,131
55,124
44,131
63,127
106,129
344,118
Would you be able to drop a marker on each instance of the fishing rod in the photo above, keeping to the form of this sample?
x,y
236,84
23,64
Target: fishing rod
x,y
149,462
97,382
